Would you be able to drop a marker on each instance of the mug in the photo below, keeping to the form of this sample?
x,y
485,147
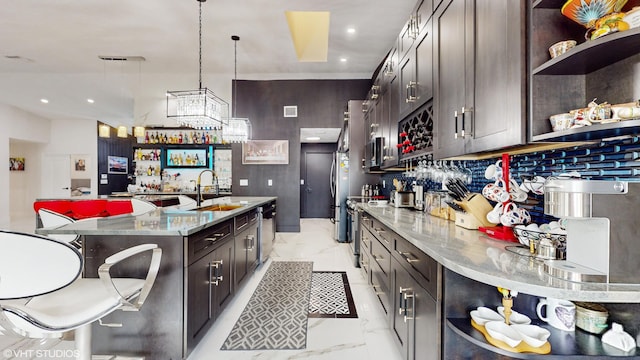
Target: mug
x,y
496,191
516,193
512,215
493,216
561,314
493,171
535,185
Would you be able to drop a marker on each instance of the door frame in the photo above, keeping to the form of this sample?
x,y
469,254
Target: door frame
x,y
308,148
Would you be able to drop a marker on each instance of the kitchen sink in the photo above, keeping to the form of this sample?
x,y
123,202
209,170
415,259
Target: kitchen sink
x,y
219,207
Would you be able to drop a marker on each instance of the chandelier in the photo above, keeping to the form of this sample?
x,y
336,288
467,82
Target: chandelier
x,y
201,108
236,129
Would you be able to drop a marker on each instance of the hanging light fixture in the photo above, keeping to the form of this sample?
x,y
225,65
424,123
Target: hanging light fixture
x,y
237,129
201,108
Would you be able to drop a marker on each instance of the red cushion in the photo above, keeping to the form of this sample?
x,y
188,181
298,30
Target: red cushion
x,y
83,209
59,206
118,207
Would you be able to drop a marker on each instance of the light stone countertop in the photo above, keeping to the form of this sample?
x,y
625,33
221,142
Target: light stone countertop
x,y
162,221
477,256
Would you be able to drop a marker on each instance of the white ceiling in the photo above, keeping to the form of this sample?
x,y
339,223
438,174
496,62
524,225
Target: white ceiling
x,y
57,44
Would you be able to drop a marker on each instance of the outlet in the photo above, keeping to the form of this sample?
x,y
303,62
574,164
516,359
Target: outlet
x,y
269,182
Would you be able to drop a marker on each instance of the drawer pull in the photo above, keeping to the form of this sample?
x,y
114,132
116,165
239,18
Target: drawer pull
x,y
377,258
243,225
215,237
217,272
376,291
409,257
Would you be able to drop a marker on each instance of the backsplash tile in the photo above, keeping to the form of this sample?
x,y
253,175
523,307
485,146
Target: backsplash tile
x,y
611,160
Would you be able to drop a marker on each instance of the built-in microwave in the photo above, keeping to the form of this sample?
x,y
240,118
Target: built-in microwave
x,y
375,152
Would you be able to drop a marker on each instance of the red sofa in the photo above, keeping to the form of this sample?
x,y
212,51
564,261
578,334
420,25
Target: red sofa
x,y
85,208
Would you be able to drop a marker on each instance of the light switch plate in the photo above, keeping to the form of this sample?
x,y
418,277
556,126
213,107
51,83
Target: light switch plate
x,y
244,182
269,182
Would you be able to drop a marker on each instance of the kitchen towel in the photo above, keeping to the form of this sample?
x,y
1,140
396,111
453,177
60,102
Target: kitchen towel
x,y
276,316
331,296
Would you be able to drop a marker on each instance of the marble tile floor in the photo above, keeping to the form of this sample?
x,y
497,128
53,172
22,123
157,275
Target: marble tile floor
x,y
364,338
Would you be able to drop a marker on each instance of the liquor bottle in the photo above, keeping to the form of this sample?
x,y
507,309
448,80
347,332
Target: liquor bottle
x,y
180,138
146,137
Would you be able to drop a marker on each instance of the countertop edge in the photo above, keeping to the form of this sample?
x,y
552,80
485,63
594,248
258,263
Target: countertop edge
x,y
532,281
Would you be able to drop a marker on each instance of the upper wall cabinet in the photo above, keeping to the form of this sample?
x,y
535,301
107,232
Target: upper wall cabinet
x,y
604,69
479,76
415,69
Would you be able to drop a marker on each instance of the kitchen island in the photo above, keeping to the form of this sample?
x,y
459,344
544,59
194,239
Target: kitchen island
x,y
203,251
446,271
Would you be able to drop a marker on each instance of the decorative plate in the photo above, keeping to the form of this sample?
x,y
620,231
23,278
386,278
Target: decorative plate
x,y
586,12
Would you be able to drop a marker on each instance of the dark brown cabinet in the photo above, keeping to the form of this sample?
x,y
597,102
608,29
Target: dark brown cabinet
x,y
416,72
480,76
414,321
209,278
246,246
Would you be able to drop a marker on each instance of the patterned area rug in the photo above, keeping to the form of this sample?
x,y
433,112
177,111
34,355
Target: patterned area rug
x,y
331,296
276,316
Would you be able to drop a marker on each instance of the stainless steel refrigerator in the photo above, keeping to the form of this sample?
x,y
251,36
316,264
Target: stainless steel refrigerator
x,y
339,193
347,173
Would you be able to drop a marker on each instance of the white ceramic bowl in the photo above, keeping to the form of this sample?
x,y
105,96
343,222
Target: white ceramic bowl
x,y
532,334
503,332
516,317
482,315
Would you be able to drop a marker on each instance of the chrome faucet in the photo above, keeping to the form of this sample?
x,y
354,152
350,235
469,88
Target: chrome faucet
x,y
199,197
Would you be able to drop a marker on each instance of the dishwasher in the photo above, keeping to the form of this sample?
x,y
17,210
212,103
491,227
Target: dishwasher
x,y
266,230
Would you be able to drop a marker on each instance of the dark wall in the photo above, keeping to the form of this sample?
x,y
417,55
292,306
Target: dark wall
x,y
320,104
114,146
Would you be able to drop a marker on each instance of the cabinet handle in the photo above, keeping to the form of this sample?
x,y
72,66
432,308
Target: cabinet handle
x,y
376,291
408,259
455,120
215,237
243,225
410,92
217,270
408,294
249,242
376,258
465,110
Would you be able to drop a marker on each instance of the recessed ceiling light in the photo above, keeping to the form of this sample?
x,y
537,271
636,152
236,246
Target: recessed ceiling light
x,y
90,101
44,101
351,30
343,59
313,138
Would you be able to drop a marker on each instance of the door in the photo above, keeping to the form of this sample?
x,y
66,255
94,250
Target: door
x,y
56,182
316,174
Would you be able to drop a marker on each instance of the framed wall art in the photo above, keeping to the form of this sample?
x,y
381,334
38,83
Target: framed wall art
x,y
16,164
265,152
118,165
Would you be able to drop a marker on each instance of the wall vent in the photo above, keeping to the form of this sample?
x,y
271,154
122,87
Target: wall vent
x,y
291,111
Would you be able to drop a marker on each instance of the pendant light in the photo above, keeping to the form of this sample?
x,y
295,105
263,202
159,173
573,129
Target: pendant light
x,y
237,129
201,108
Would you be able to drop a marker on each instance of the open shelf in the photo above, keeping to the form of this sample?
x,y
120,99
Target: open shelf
x,y
592,133
592,55
548,4
563,343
